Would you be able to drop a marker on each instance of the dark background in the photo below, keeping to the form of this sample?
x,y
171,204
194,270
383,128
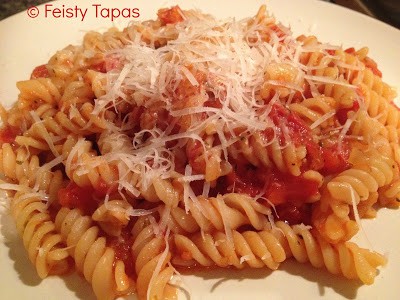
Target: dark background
x,y
385,10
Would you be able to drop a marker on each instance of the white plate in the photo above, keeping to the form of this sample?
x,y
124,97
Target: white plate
x,y
26,43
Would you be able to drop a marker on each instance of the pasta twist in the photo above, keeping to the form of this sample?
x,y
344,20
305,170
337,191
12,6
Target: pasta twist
x,y
217,213
346,258
313,110
380,108
112,216
312,56
45,246
389,196
76,93
92,256
17,165
85,168
345,192
270,247
151,255
287,159
45,90
368,80
255,249
109,40
41,134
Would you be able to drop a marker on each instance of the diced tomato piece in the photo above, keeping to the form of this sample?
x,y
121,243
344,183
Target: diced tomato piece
x,y
40,71
170,16
288,188
8,134
194,151
350,50
335,158
122,248
293,214
112,62
74,196
286,192
341,114
331,51
277,187
247,180
102,188
373,66
100,67
299,132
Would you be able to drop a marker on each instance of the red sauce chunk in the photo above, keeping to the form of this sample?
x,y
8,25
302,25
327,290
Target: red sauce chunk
x,y
8,134
286,192
342,113
335,158
373,66
40,71
99,67
194,153
293,214
350,50
299,133
122,248
74,196
170,15
285,188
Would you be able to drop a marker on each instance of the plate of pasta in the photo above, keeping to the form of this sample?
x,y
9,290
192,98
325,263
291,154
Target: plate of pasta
x,y
194,150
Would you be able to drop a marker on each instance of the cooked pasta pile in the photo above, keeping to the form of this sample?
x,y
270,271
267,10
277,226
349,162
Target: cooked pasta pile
x,y
187,141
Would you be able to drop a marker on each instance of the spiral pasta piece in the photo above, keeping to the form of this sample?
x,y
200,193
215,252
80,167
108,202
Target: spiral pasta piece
x,y
346,258
40,89
287,159
79,121
112,216
270,247
18,165
312,110
216,213
96,261
344,193
46,248
255,249
151,255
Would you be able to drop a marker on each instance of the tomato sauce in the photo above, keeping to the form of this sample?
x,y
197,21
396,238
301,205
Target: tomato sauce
x,y
194,151
83,198
99,67
122,248
342,113
74,196
335,158
373,66
40,71
299,133
172,15
8,134
286,192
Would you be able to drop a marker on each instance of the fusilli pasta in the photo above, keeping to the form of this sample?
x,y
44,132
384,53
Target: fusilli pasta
x,y
186,142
